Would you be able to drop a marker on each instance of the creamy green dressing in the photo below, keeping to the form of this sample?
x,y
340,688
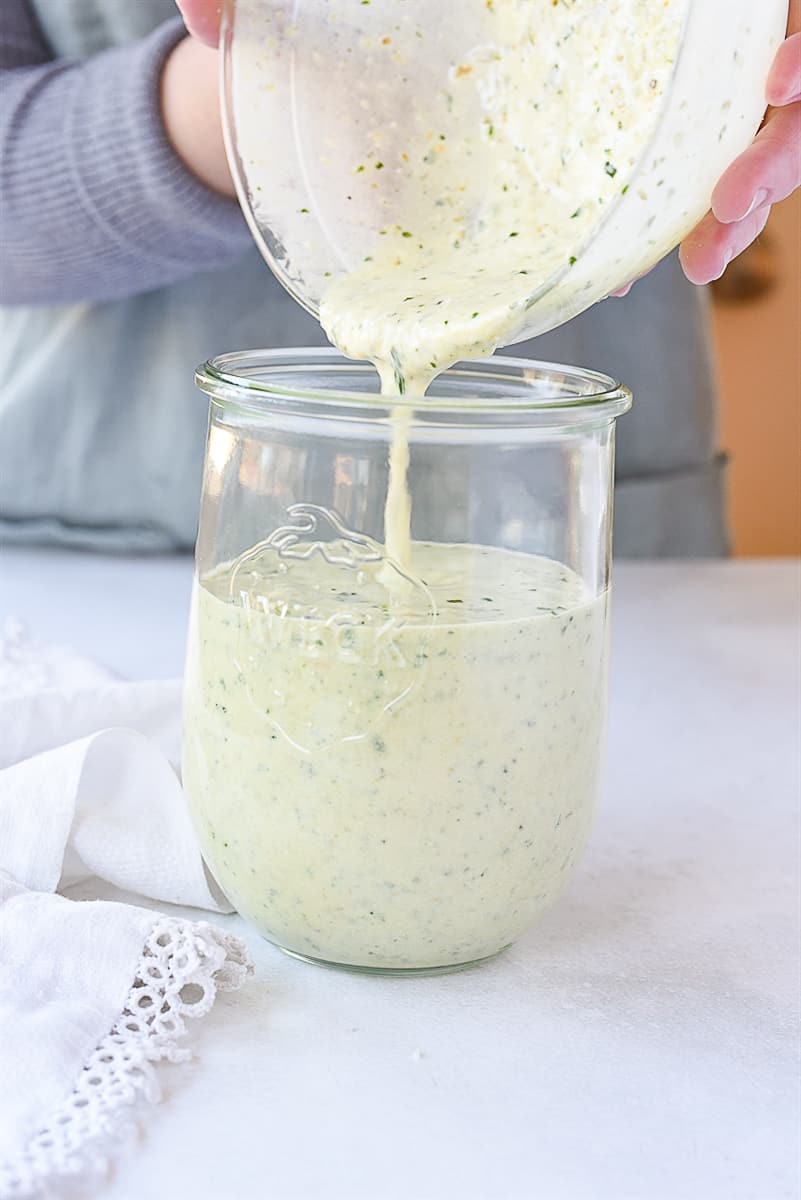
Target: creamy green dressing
x,y
397,784
539,131
398,769
484,193
535,134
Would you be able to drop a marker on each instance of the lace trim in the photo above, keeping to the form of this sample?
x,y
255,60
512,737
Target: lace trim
x,y
183,966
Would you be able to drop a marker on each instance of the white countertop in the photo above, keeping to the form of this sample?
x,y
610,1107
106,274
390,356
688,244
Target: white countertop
x,y
639,1044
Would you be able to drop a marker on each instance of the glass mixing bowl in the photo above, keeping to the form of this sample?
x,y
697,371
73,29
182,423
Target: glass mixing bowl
x,y
325,103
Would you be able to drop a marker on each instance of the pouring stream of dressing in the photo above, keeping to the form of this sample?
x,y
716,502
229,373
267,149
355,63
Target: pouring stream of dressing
x,y
543,128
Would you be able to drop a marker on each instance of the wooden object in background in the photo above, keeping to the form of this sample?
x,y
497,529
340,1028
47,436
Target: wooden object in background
x,y
757,322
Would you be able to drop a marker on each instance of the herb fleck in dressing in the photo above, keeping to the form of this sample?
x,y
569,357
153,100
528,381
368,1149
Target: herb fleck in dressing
x,y
402,802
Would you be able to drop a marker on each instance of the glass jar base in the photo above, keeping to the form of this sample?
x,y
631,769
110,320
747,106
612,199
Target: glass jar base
x,y
398,972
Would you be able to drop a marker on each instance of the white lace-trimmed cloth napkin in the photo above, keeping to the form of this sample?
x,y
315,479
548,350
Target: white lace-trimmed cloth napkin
x,y
92,993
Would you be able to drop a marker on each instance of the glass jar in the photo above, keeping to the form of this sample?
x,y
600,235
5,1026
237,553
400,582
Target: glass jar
x,y
393,767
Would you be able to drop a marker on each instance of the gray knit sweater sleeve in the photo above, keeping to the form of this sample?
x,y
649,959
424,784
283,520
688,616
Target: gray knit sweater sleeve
x,y
94,203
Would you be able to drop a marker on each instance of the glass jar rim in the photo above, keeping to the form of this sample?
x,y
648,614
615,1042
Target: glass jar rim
x,y
261,379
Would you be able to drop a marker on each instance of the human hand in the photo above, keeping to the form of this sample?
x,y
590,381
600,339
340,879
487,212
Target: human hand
x,y
202,19
768,171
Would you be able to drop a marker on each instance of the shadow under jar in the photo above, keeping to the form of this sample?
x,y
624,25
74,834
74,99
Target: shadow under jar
x,y
392,766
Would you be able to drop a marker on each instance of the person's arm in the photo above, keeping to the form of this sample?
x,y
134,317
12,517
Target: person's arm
x,y
102,195
190,103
